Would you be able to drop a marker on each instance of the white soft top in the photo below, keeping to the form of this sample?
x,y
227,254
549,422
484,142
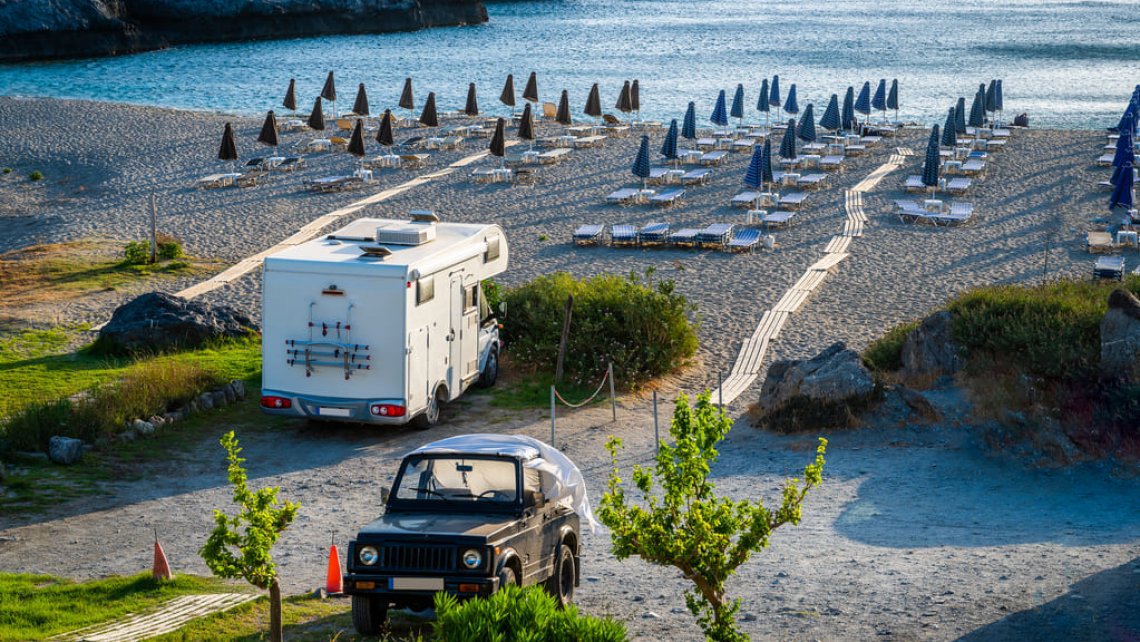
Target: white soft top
x,y
569,487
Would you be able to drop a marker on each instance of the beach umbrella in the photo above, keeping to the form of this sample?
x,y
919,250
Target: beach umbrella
x,y
1127,120
879,100
530,92
689,126
328,92
635,97
737,110
788,144
472,106
863,102
317,117
766,165
960,116
526,124
228,149
268,133
1118,172
669,145
356,141
720,115
933,160
384,136
290,101
774,95
641,163
360,105
1125,150
498,145
594,103
753,176
807,125
830,118
991,97
949,133
762,104
847,115
998,101
1122,193
563,114
429,117
508,95
791,105
978,109
407,100
624,102
893,98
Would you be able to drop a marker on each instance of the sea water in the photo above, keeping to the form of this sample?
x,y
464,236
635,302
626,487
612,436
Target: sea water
x,y
1069,64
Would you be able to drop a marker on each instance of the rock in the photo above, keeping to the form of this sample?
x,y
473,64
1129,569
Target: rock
x,y
171,417
239,388
206,401
228,392
830,388
219,398
638,598
320,594
919,404
192,407
65,450
748,617
157,321
1120,336
143,428
127,436
651,616
928,351
156,421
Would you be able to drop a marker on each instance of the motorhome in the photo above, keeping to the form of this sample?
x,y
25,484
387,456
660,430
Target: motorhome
x,y
380,322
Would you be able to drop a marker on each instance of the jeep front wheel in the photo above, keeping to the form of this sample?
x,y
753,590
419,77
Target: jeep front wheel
x,y
561,583
369,614
507,577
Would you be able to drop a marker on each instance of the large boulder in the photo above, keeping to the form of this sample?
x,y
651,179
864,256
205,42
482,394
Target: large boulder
x,y
65,450
826,391
157,321
1120,336
928,351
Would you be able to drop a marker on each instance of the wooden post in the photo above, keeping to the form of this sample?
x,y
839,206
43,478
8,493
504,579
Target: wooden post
x,y
613,397
552,416
656,435
563,340
153,230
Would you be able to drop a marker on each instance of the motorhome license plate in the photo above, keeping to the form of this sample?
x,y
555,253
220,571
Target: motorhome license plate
x,y
334,412
415,583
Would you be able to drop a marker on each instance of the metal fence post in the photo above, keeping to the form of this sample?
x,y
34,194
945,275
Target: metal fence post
x,y
613,397
552,416
656,435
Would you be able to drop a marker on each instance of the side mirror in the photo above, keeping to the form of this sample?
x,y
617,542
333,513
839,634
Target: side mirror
x,y
534,499
385,493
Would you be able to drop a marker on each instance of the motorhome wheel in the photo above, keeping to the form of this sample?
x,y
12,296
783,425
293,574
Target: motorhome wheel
x,y
430,416
490,370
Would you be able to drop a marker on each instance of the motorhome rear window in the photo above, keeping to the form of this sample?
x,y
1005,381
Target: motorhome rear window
x,y
492,249
425,289
470,298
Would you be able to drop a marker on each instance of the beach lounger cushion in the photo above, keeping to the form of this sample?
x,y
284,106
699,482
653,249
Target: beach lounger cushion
x,y
745,239
588,234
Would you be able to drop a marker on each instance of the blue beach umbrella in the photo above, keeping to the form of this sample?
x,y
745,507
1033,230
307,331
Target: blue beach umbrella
x,y
847,115
766,166
879,100
1122,193
863,102
998,101
641,163
991,97
978,109
893,98
807,125
960,116
762,104
669,145
720,114
931,167
949,133
830,118
791,106
1117,172
737,110
774,95
1125,150
689,128
1127,120
788,144
753,176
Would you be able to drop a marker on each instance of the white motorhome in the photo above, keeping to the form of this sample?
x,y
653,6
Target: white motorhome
x,y
381,321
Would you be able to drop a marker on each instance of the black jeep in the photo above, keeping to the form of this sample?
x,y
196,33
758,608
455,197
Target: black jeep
x,y
467,515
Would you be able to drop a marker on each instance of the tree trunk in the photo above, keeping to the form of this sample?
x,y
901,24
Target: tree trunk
x,y
275,632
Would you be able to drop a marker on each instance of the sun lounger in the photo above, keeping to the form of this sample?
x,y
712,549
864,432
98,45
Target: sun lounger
x,y
1104,161
743,145
713,158
791,163
812,181
778,218
706,143
854,150
653,234
588,234
623,234
745,240
290,164
745,199
911,212
382,162
251,179
623,196
715,235
549,111
870,141
414,160
696,176
339,142
958,185
1109,267
589,141
214,181
525,175
1098,242
973,167
914,183
792,200
958,214
617,131
412,142
684,237
667,197
334,184
491,175
553,156
657,175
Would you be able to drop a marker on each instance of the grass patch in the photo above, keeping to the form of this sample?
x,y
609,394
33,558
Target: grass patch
x,y
885,353
35,607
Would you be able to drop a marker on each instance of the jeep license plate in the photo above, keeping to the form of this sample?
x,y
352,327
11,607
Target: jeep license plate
x,y
334,412
415,583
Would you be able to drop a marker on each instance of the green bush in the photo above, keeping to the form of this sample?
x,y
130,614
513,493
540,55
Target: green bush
x,y
169,250
518,615
7,170
36,176
137,252
885,353
36,424
644,329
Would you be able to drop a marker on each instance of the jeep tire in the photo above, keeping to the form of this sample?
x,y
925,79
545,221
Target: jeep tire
x,y
369,613
507,577
560,585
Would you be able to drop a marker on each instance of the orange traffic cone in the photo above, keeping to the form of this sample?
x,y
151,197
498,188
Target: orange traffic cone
x,y
334,583
161,569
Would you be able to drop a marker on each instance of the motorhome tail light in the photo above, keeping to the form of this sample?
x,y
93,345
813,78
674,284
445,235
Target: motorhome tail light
x,y
276,402
388,410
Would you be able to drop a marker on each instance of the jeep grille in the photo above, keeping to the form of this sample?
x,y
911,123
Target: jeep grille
x,y
417,557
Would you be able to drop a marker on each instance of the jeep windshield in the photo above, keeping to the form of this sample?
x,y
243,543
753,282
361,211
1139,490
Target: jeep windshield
x,y
457,481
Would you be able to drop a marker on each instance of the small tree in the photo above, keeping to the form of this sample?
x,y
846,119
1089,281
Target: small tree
x,y
231,553
705,536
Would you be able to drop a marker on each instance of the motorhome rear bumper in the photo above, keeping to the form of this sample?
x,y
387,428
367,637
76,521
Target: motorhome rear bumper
x,y
334,408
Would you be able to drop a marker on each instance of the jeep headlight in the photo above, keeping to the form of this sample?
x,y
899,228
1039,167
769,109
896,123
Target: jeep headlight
x,y
369,555
472,558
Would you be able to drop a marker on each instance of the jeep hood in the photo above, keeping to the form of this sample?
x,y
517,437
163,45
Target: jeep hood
x,y
416,525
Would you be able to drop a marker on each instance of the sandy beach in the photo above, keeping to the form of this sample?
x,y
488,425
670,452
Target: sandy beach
x,y
917,534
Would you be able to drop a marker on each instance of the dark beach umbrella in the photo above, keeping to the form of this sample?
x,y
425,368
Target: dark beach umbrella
x,y
847,115
360,105
624,102
290,101
893,98
879,100
407,99
788,144
498,140
737,110
791,105
356,141
429,117
949,133
999,102
933,159
753,175
774,95
1122,193
641,163
669,145
1126,118
317,117
328,92
530,92
960,116
635,96
978,109
830,118
594,103
508,95
526,124
807,125
268,133
689,126
384,136
863,102
228,149
766,165
762,104
720,114
472,107
1118,172
563,115
991,97
1125,153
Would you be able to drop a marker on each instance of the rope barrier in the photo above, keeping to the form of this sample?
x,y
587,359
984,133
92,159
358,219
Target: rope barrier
x,y
588,399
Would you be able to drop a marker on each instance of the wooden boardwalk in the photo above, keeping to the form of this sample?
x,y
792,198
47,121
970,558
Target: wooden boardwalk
x,y
168,617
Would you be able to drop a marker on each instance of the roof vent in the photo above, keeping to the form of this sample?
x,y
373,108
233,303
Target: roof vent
x,y
423,216
374,252
411,233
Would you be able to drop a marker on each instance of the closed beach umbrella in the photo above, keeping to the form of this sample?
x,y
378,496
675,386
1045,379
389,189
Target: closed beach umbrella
x,y
752,176
933,159
879,100
978,109
508,95
991,97
228,149
472,106
669,145
949,133
594,103
791,105
356,141
1118,172
689,126
384,136
762,104
624,102
807,125
641,163
360,105
737,110
788,144
847,114
530,92
328,92
960,116
1125,150
429,117
635,96
720,114
774,95
1126,119
999,102
290,101
830,118
526,124
407,99
863,102
766,164
499,139
1122,193
317,117
893,98
268,133
563,114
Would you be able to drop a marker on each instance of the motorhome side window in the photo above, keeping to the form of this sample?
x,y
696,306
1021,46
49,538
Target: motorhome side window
x,y
492,249
470,298
425,289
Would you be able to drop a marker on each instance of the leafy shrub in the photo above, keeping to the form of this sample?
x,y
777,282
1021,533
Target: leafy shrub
x,y
169,250
493,294
644,329
137,252
885,353
518,615
7,170
37,175
36,424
